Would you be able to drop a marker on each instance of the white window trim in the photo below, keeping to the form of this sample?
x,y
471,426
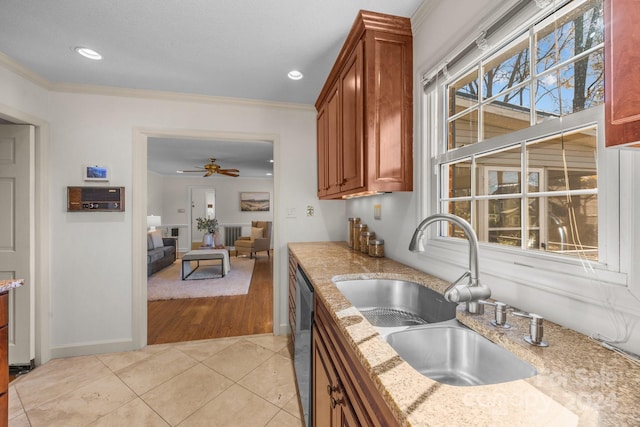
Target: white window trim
x,y
563,276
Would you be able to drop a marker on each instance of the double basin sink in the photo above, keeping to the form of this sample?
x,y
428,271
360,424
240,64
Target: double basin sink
x,y
421,326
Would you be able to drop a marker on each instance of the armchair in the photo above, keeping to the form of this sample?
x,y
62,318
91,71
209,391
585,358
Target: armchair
x,y
260,239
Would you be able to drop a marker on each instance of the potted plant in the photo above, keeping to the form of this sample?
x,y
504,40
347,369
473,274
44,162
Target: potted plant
x,y
210,227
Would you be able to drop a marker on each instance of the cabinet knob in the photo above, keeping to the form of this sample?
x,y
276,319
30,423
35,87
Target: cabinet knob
x,y
331,389
335,402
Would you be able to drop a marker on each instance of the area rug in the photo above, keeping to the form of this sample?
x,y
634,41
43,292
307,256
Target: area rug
x,y
166,283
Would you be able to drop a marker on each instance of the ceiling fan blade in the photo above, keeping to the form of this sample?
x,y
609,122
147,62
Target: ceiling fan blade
x,y
199,170
209,173
228,173
228,170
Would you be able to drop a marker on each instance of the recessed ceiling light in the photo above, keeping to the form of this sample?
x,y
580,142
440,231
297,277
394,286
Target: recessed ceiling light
x,y
269,174
179,171
88,53
295,75
271,161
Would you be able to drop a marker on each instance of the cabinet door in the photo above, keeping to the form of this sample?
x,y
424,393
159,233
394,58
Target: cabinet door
x,y
347,415
322,124
325,384
293,267
352,142
622,59
334,158
389,120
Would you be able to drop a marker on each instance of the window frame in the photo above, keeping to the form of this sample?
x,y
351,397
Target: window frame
x,y
556,273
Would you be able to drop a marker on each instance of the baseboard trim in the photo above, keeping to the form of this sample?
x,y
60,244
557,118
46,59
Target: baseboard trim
x,y
94,348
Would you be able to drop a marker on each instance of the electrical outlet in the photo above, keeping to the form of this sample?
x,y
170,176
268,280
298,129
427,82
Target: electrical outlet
x,y
377,211
291,213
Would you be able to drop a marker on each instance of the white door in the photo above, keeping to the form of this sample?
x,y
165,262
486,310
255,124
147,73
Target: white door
x,y
203,205
17,223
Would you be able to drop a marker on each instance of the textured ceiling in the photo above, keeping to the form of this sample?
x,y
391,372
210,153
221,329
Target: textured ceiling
x,y
234,48
167,155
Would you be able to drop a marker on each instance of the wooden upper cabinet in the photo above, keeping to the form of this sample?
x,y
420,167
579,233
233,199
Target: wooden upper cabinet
x,y
352,100
328,134
371,150
622,60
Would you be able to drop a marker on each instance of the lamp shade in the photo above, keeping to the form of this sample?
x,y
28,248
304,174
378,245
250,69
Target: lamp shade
x,y
153,221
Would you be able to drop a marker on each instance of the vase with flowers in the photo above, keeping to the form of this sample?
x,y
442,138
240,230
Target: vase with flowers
x,y
210,227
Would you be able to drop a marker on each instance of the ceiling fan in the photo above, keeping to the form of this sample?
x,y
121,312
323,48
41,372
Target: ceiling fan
x,y
211,168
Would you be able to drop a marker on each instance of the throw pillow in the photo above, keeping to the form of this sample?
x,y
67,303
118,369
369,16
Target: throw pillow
x,y
256,233
149,242
156,236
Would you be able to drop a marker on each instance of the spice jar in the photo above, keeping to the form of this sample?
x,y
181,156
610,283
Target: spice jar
x,y
352,223
376,248
359,228
365,236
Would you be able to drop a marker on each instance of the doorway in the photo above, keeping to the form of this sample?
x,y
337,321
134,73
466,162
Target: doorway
x,y
270,267
203,205
17,225
37,292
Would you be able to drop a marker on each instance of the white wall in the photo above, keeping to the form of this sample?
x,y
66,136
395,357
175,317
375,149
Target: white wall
x,y
155,194
604,311
176,193
91,285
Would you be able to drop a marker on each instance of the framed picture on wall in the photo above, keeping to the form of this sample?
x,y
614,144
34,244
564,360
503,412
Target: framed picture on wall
x,y
255,202
95,173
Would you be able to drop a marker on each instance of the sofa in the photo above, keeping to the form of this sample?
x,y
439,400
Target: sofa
x,y
161,251
260,239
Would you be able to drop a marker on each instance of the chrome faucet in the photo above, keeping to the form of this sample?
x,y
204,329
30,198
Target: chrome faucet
x,y
471,292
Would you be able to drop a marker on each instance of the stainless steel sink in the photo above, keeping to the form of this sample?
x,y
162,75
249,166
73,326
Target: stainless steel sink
x,y
457,355
387,303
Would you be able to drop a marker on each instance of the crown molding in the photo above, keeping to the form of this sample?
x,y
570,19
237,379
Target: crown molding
x,y
19,69
421,14
173,96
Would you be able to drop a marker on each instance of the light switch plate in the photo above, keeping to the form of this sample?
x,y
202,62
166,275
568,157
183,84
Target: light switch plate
x,y
309,210
377,211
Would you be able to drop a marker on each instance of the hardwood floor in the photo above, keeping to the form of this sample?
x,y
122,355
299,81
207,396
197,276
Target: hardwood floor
x,y
204,318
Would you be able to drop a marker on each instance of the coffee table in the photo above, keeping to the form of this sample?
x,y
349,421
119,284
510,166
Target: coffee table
x,y
198,255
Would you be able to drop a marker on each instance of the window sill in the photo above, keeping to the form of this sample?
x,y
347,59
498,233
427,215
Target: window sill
x,y
543,271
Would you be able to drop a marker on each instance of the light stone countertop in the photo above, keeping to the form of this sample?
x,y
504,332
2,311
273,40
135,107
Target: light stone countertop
x,y
9,284
578,382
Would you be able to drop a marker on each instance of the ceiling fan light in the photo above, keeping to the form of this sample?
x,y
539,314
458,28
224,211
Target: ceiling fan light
x,y
88,53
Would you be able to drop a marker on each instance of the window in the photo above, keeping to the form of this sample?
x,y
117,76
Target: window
x,y
519,158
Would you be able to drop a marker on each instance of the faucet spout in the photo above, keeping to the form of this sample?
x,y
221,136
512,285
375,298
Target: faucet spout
x,y
472,291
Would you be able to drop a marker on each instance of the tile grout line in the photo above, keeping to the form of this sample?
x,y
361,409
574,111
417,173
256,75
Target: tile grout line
x,y
273,350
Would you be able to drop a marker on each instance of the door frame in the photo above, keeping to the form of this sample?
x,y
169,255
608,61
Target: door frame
x,y
139,217
40,328
190,204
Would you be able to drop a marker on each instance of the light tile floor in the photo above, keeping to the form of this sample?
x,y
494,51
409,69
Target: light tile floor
x,y
243,381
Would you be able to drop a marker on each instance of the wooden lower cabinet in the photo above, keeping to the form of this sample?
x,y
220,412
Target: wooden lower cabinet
x,y
343,394
331,406
293,267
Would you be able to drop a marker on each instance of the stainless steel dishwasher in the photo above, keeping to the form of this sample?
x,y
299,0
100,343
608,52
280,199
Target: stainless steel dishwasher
x,y
303,342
